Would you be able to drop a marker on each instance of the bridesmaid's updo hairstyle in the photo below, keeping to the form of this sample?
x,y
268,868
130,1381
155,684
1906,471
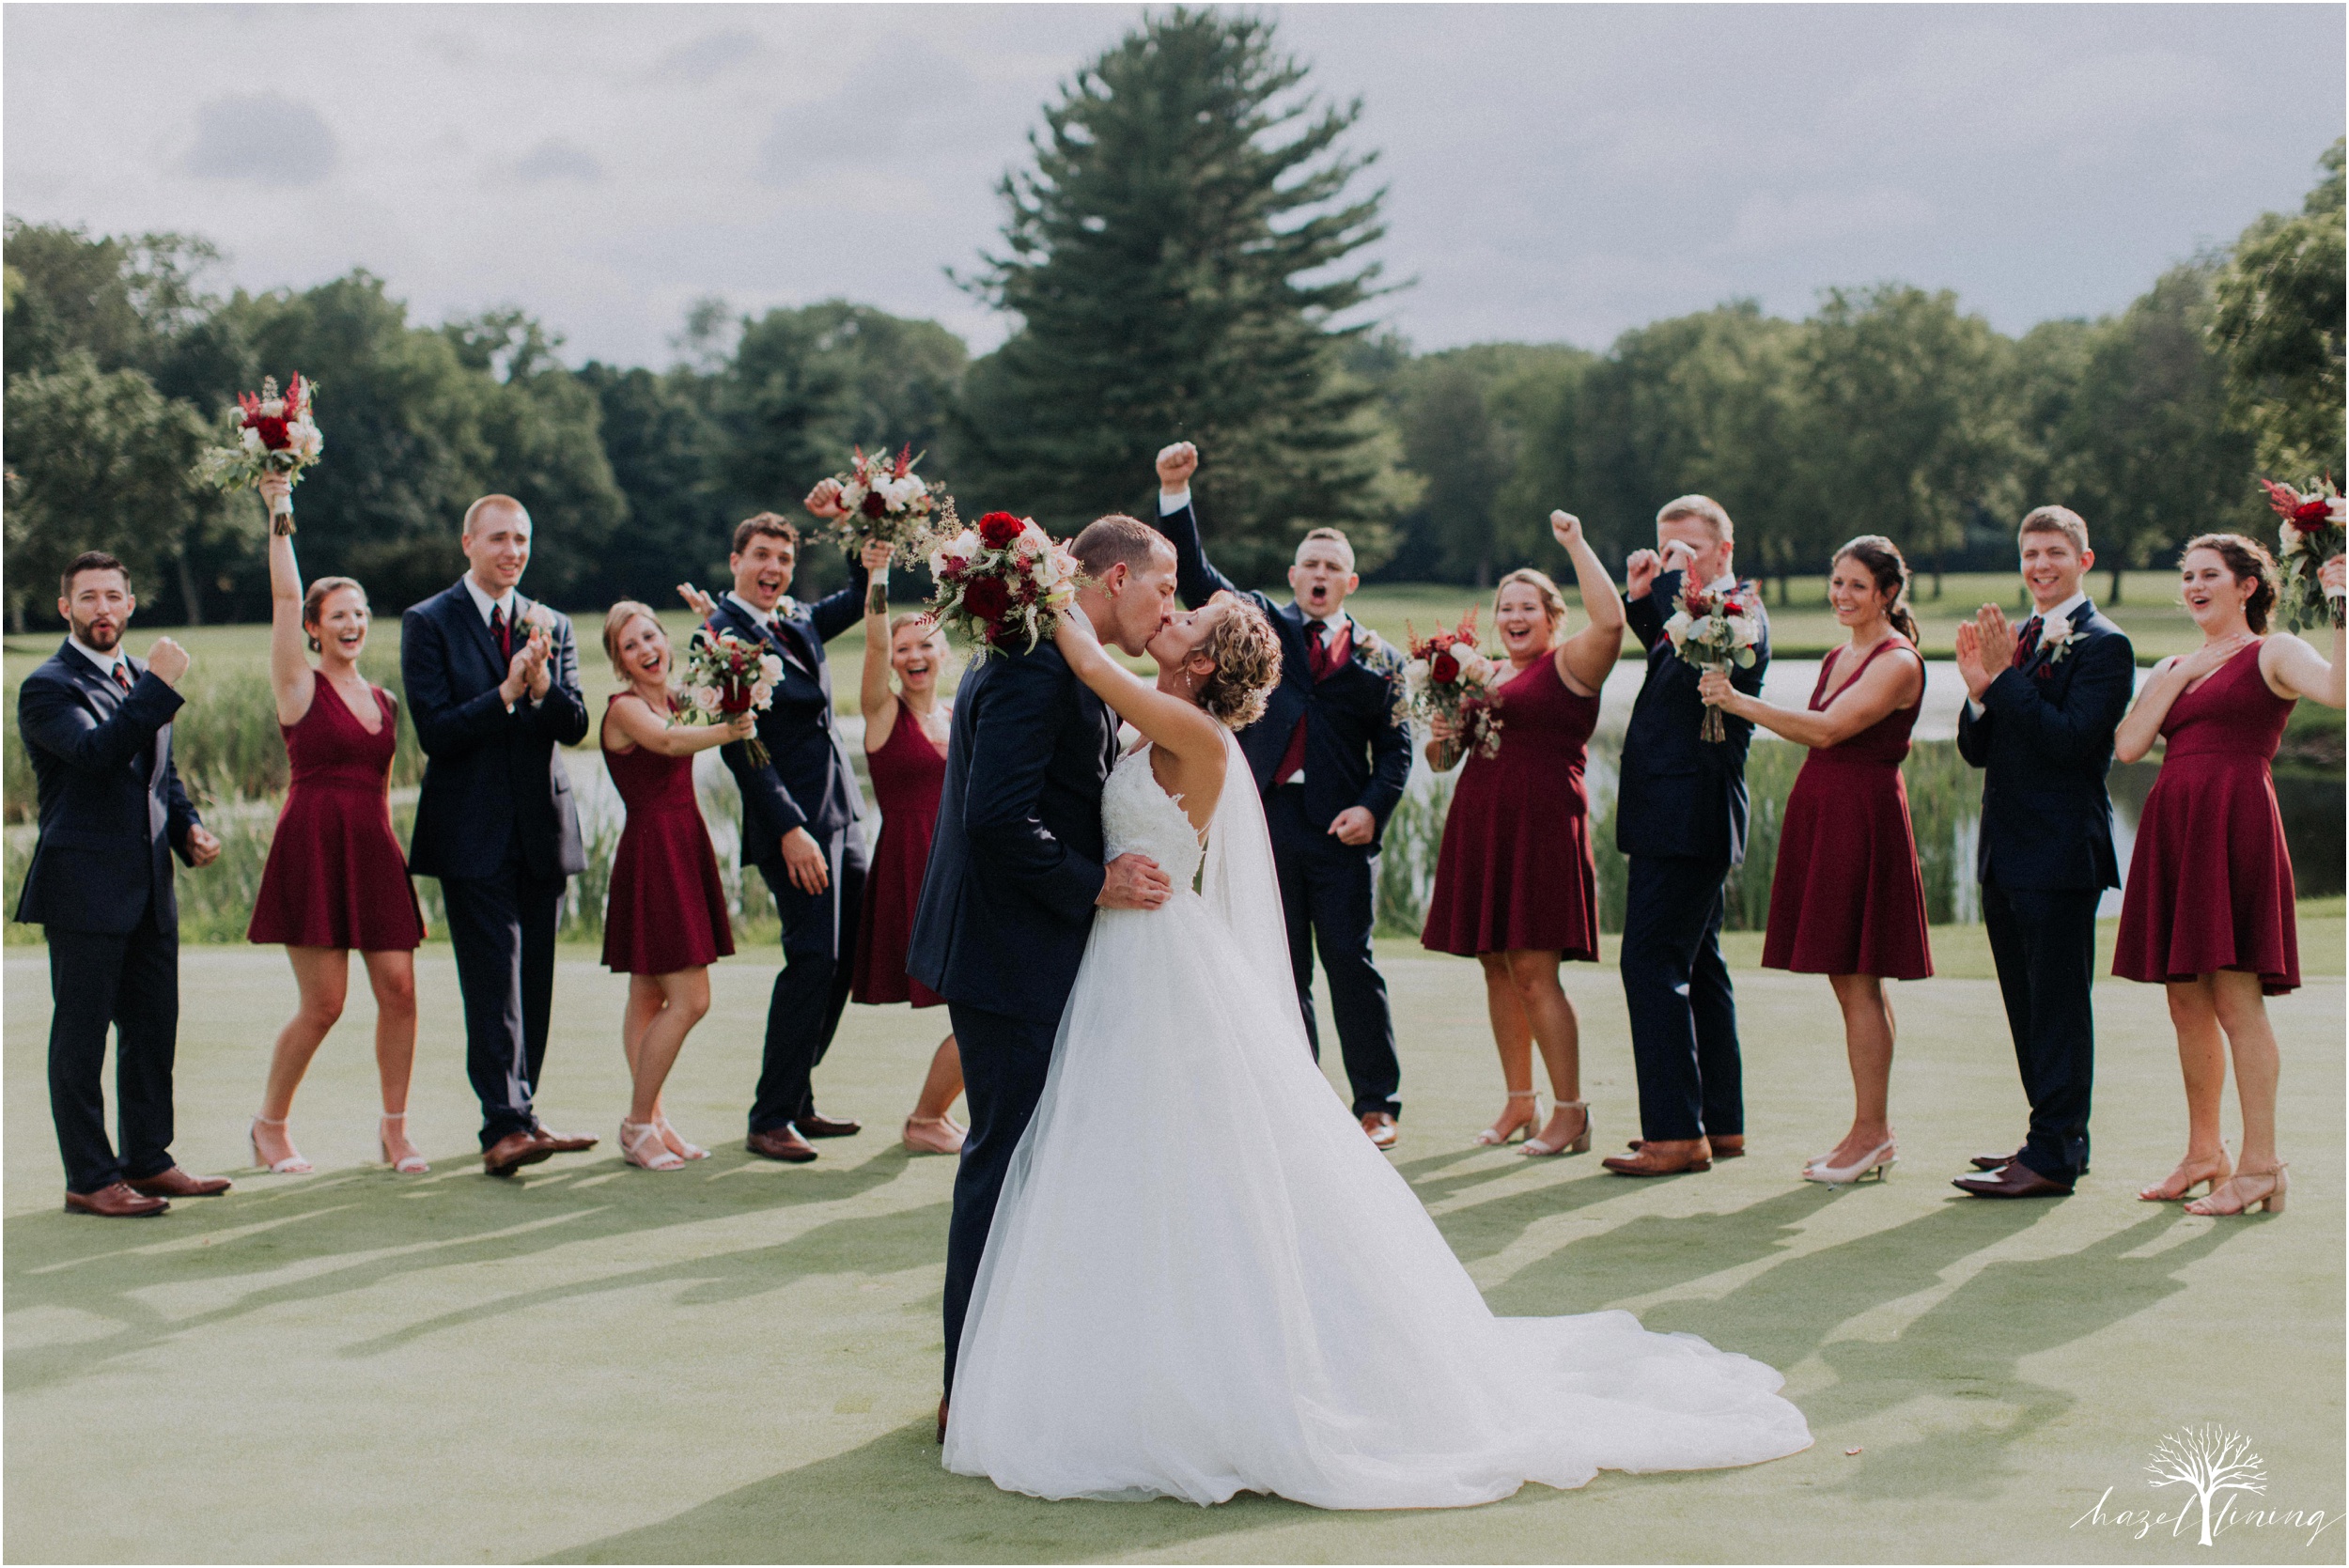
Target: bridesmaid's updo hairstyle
x,y
314,603
2249,560
1553,602
1247,654
1883,559
614,622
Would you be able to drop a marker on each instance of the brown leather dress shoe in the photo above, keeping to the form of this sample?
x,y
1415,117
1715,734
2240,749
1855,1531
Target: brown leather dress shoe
x,y
514,1151
1663,1156
565,1143
1995,1162
2015,1180
1381,1129
813,1125
115,1201
175,1183
1729,1145
779,1143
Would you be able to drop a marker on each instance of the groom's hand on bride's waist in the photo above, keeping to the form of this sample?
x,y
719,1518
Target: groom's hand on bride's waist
x,y
1133,882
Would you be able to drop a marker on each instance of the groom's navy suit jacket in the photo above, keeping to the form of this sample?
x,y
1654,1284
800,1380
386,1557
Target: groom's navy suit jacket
x,y
1016,860
2044,743
809,783
492,784
1682,795
1357,751
97,866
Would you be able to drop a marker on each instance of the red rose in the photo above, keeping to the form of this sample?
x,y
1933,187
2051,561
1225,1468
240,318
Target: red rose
x,y
998,528
986,598
873,504
1444,668
273,431
2311,510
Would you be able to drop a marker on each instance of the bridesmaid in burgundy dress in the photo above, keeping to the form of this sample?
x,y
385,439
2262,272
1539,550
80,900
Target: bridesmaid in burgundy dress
x,y
666,921
1848,899
1515,887
2207,907
905,750
335,879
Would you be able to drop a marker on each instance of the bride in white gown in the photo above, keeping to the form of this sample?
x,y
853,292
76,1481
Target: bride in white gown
x,y
1202,1279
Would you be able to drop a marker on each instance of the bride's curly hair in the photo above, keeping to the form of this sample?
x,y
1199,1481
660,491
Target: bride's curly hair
x,y
1247,654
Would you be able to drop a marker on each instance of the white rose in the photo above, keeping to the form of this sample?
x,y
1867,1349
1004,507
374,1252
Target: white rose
x,y
1745,629
250,438
275,408
965,544
769,666
1060,596
2336,511
2289,535
760,692
706,698
1031,530
1415,676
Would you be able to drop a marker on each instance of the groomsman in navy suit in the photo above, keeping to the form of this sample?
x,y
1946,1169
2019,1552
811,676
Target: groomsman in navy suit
x,y
97,723
1331,755
1680,816
2040,708
492,682
799,813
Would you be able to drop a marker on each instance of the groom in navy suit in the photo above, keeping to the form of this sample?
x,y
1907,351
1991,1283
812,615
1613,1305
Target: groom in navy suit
x,y
1016,872
97,724
2040,712
1330,755
492,682
1680,817
799,813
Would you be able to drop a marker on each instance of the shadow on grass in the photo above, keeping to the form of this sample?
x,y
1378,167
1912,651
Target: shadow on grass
x,y
830,1512
314,1239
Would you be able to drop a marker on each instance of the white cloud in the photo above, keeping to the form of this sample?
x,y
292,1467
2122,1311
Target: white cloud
x,y
267,138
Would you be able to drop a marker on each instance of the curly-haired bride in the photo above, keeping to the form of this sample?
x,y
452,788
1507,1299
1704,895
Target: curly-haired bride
x,y
1202,1279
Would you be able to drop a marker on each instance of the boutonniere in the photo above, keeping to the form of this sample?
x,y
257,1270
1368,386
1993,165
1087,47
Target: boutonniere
x,y
1376,654
539,619
2056,640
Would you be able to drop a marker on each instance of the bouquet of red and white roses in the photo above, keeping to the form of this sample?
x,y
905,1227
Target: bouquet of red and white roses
x,y
1715,631
1002,583
726,678
1446,677
269,434
882,498
2310,529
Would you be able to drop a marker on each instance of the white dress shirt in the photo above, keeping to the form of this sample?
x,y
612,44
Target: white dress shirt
x,y
105,661
2061,612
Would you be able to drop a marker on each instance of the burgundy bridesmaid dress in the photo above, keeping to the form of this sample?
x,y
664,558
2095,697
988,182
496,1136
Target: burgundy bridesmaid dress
x,y
1847,896
2210,880
335,877
667,908
1514,872
908,773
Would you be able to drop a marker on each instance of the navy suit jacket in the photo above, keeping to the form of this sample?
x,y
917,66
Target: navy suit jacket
x,y
99,755
492,784
1357,745
2045,744
809,783
1680,793
1016,860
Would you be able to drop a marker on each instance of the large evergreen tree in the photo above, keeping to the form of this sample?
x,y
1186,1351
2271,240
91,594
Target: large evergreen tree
x,y
1180,256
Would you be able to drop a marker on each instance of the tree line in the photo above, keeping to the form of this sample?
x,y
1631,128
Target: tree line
x,y
1183,255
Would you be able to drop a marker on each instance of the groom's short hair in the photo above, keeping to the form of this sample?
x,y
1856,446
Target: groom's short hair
x,y
1117,539
2055,520
1701,507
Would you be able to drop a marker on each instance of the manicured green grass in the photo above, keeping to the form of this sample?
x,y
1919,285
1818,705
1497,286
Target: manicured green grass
x,y
737,1362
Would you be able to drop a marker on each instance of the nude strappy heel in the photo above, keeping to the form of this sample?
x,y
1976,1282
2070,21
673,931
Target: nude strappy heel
x,y
933,1135
1579,1144
409,1164
634,1136
1532,1119
691,1151
2236,1192
292,1165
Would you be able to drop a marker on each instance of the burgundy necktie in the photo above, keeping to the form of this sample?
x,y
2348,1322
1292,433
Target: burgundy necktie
x,y
503,633
1317,648
122,675
1318,664
2027,643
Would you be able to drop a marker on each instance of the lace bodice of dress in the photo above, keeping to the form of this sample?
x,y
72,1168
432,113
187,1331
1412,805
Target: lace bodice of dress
x,y
1140,817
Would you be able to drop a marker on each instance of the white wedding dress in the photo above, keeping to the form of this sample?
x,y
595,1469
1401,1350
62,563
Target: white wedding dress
x,y
1202,1279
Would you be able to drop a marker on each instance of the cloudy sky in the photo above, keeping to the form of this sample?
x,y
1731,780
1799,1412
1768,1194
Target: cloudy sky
x,y
1556,172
